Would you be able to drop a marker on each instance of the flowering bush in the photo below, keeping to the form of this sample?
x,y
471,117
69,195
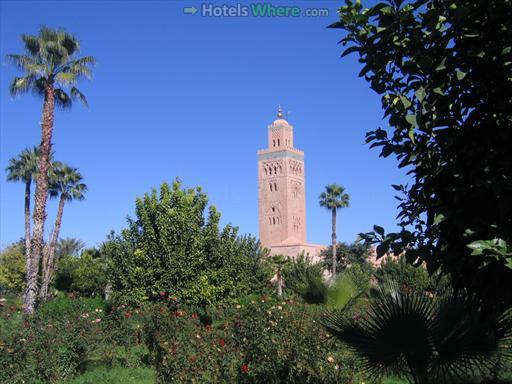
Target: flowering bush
x,y
265,341
57,342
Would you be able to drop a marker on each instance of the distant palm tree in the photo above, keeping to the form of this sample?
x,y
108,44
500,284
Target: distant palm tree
x,y
68,246
24,168
334,198
67,185
49,66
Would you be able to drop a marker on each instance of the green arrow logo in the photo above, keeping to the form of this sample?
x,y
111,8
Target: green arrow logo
x,y
190,10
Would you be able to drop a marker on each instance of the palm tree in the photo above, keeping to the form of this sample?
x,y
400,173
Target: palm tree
x,y
24,168
68,246
67,185
408,334
48,66
334,198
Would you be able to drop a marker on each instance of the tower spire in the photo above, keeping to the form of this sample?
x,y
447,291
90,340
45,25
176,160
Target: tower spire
x,y
279,112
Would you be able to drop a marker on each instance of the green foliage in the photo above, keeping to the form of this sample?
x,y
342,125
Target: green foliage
x,y
173,247
116,375
342,291
348,254
85,274
443,70
12,268
306,279
61,339
261,342
415,278
408,334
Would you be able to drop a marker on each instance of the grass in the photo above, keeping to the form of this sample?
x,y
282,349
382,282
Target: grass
x,y
116,375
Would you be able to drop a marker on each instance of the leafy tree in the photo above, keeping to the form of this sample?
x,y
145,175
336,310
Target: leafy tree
x,y
408,334
443,70
332,199
67,185
68,246
12,267
174,247
48,67
348,255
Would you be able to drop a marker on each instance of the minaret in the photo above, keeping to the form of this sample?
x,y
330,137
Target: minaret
x,y
281,189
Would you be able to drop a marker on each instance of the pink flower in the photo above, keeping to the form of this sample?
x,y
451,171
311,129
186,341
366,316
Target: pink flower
x,y
245,368
222,343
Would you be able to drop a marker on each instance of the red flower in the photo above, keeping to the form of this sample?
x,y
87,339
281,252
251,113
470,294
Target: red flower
x,y
127,314
162,294
245,368
222,343
194,316
208,327
193,358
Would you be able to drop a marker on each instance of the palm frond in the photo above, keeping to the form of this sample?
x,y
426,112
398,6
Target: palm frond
x,y
76,94
334,197
26,63
32,44
65,78
409,333
69,42
62,99
20,85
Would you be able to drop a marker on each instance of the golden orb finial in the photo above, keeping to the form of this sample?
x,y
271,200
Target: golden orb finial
x,y
279,112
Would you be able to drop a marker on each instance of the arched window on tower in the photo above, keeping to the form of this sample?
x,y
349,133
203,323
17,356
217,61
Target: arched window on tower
x,y
270,187
275,186
278,142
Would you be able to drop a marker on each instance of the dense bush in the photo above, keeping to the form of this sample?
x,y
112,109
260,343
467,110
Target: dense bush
x,y
348,255
84,274
264,341
63,336
172,246
415,278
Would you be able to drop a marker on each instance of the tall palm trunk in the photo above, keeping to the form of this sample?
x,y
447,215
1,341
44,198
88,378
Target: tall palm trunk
x,y
49,252
36,242
334,243
27,224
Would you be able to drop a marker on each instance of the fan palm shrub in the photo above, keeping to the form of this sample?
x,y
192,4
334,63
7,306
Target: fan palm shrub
x,y
424,339
306,280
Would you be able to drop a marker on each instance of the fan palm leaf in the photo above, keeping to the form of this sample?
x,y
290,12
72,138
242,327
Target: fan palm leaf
x,y
409,334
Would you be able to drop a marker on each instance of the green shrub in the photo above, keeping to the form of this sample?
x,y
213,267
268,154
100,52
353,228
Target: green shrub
x,y
173,245
84,274
12,268
63,336
342,291
414,278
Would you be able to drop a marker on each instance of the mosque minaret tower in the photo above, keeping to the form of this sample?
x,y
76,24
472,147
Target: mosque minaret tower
x,y
282,193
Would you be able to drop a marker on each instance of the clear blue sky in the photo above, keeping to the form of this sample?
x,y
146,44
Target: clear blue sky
x,y
191,96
